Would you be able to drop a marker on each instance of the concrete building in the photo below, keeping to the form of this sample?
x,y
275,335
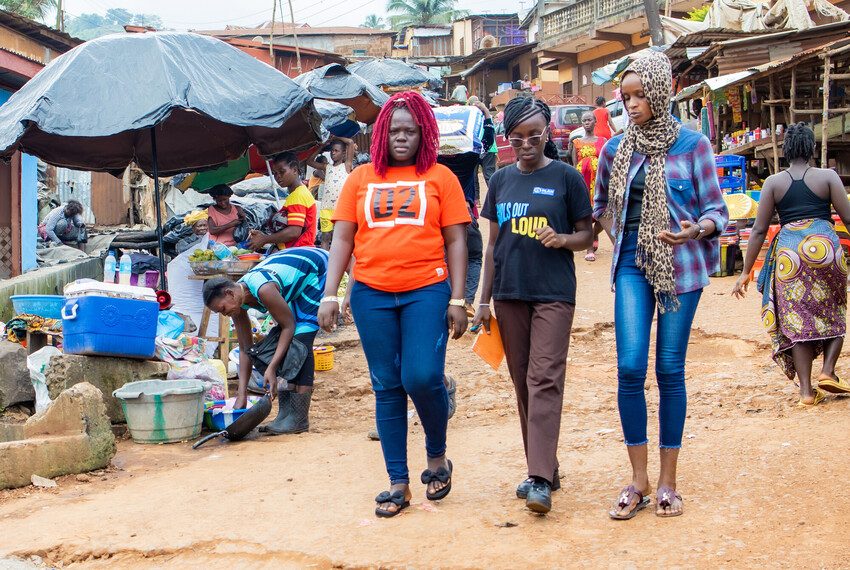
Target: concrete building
x,y
574,38
425,45
486,69
25,48
347,41
469,33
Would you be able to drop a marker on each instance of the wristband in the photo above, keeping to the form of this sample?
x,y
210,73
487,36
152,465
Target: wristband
x,y
701,231
457,303
330,300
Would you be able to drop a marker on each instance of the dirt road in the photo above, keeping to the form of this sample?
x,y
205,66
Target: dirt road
x,y
764,483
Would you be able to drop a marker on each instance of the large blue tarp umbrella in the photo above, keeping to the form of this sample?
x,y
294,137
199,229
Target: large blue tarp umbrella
x,y
391,73
335,83
169,101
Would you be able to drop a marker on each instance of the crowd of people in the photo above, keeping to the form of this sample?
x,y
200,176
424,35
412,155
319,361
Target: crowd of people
x,y
404,228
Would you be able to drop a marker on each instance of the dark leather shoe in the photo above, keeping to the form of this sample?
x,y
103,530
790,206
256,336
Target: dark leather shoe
x,y
522,488
539,497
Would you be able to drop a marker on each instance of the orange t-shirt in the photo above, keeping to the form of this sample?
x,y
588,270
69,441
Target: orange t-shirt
x,y
399,242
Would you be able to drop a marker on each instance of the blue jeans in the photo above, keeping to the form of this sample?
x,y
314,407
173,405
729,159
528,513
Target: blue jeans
x,y
404,336
634,309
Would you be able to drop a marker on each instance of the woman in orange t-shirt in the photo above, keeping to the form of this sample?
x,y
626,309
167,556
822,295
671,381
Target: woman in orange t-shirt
x,y
404,218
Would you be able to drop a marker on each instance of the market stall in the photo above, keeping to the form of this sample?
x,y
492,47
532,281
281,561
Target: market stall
x,y
746,112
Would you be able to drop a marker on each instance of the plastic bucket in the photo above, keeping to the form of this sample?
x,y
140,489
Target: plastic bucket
x,y
47,306
323,357
163,411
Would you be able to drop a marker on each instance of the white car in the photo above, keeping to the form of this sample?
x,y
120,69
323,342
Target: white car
x,y
618,116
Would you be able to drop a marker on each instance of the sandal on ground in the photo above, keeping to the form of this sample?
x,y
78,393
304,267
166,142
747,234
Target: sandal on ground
x,y
625,499
441,475
820,396
665,496
590,257
396,498
833,386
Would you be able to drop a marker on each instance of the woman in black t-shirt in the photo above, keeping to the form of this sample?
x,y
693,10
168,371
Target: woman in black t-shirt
x,y
539,213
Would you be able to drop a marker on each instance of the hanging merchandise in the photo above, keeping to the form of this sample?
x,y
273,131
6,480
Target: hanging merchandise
x,y
746,98
705,125
754,98
733,96
711,127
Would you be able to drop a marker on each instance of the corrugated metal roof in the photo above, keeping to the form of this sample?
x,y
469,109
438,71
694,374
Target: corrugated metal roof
x,y
300,29
759,71
694,52
497,54
431,32
711,35
45,35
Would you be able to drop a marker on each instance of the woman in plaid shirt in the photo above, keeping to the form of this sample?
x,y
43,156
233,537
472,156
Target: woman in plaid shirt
x,y
657,188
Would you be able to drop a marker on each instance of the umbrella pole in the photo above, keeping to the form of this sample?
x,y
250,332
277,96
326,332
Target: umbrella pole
x,y
163,284
274,186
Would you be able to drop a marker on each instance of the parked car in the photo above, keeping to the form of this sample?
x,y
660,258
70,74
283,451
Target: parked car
x,y
565,119
618,116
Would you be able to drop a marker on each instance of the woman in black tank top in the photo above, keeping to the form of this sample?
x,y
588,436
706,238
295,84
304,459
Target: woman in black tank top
x,y
804,279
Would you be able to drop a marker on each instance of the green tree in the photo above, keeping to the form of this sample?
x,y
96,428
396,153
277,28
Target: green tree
x,y
32,9
698,14
373,21
90,26
423,12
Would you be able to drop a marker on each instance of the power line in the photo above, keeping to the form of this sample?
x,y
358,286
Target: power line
x,y
346,13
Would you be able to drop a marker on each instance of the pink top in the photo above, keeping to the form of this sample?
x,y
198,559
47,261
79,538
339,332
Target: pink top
x,y
220,219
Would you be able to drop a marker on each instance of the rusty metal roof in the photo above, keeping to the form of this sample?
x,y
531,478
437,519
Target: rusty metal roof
x,y
300,29
758,71
45,35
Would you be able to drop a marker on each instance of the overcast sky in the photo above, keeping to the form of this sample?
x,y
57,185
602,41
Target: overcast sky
x,y
215,14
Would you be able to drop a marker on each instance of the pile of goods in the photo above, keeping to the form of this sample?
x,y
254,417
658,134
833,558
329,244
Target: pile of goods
x,y
222,260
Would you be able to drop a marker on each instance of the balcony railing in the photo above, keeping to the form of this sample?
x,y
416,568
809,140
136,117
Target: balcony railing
x,y
578,18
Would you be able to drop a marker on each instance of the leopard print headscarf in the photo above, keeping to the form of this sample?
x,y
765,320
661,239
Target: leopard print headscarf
x,y
652,139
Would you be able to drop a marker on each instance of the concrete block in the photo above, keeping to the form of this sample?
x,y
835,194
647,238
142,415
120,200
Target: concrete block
x,y
73,435
105,373
15,384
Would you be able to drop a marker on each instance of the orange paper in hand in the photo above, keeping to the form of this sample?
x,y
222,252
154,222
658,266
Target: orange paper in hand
x,y
489,346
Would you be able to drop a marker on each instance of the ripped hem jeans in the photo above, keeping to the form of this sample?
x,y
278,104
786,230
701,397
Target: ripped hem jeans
x,y
404,337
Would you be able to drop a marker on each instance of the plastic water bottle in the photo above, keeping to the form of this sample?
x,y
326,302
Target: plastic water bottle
x,y
125,269
110,264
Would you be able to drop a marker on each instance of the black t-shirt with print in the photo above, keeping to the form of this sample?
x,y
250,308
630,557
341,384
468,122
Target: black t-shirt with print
x,y
556,196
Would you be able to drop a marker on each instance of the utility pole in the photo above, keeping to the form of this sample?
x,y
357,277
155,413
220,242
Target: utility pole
x,y
294,33
271,35
653,19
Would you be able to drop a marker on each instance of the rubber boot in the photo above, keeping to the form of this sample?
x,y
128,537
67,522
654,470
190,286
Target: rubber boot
x,y
284,400
298,421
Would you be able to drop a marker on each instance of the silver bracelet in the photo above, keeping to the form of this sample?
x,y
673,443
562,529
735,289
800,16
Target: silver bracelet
x,y
330,300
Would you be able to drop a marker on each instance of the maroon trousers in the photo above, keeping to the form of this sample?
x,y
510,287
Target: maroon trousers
x,y
536,337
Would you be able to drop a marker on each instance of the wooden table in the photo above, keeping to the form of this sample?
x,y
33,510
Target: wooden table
x,y
36,340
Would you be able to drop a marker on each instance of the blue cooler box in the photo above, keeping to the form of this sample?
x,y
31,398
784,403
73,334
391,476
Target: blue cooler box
x,y
106,326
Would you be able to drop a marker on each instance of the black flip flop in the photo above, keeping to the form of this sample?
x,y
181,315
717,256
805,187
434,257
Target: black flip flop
x,y
443,476
396,498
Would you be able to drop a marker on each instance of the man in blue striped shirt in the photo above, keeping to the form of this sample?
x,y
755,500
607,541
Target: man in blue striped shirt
x,y
288,285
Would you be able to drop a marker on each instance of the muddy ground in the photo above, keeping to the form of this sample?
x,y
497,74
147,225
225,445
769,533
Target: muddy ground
x,y
764,484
